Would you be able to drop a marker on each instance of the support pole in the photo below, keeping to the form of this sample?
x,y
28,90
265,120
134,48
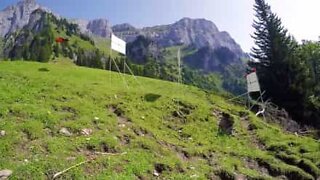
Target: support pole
x,y
179,66
122,76
110,65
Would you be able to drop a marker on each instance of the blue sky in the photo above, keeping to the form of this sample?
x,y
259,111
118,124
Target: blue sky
x,y
234,16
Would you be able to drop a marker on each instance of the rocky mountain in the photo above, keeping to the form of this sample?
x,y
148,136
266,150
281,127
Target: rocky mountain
x,y
198,33
100,27
15,17
189,32
97,27
127,31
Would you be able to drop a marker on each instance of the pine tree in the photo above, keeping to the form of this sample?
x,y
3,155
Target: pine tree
x,y
288,72
273,51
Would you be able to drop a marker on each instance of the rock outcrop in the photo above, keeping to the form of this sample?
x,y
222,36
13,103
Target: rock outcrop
x,y
15,17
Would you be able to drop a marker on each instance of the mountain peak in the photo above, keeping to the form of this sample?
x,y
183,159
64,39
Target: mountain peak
x,y
16,16
187,19
100,27
200,22
27,2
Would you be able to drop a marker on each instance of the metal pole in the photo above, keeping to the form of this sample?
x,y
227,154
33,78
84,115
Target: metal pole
x,y
179,66
110,65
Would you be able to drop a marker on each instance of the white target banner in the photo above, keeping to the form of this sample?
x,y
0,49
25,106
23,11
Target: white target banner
x,y
118,44
253,83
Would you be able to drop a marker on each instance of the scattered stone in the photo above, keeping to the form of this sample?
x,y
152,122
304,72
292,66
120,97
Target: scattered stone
x,y
65,131
4,174
194,176
96,118
142,117
2,133
86,132
122,125
155,173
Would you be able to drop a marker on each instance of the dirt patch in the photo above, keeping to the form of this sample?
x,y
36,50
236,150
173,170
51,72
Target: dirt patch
x,y
69,110
118,169
103,147
252,164
211,159
159,168
181,154
183,110
142,177
125,139
224,175
71,113
122,119
226,124
142,132
245,123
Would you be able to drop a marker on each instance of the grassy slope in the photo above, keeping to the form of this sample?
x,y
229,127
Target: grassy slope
x,y
36,103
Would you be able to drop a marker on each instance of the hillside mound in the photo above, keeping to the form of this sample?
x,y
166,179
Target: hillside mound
x,y
54,116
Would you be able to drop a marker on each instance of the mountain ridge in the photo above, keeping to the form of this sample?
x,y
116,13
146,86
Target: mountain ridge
x,y
181,31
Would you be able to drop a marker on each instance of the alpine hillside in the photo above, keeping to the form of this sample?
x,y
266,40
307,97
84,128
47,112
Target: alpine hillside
x,y
207,53
57,116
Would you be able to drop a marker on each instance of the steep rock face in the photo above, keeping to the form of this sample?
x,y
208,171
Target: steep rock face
x,y
126,31
143,48
82,25
100,27
97,27
16,42
189,32
15,17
